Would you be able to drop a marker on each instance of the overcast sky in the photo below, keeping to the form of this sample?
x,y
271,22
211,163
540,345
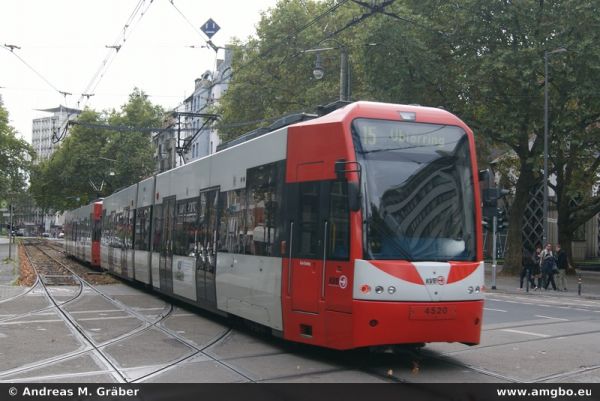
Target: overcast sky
x,y
64,41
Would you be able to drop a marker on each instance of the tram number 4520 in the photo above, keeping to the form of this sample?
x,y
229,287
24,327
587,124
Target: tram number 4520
x,y
429,312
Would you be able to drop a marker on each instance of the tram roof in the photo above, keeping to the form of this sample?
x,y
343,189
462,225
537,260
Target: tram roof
x,y
385,111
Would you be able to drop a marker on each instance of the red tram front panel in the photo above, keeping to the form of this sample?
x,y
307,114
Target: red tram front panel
x,y
357,302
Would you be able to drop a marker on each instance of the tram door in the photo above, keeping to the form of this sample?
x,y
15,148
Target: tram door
x,y
206,258
165,266
308,236
110,232
125,241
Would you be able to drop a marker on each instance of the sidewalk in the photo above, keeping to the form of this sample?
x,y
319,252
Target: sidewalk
x,y
8,271
590,284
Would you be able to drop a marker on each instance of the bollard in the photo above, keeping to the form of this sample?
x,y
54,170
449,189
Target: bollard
x,y
579,285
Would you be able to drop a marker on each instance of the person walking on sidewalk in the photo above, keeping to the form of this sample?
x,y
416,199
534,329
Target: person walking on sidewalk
x,y
527,269
548,267
563,264
537,267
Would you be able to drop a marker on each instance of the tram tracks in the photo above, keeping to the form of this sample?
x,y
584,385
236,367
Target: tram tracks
x,y
99,349
402,367
160,326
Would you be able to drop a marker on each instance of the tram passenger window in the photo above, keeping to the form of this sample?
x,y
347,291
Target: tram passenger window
x,y
157,226
110,219
105,229
186,228
97,230
309,220
142,228
232,227
338,241
127,230
263,209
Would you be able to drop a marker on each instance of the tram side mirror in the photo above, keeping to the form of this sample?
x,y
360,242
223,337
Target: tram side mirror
x,y
484,175
340,170
354,196
341,167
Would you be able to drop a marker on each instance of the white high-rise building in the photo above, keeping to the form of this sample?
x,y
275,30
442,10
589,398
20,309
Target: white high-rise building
x,y
46,128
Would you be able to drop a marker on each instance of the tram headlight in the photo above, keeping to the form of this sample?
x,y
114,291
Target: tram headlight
x,y
477,290
379,289
365,288
470,290
391,289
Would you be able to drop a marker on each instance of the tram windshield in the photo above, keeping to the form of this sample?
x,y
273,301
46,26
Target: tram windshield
x,y
417,190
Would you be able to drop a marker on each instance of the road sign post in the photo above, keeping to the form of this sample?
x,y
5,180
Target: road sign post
x,y
10,230
494,250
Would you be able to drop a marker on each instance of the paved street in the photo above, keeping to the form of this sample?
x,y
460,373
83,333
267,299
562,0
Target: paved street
x,y
139,337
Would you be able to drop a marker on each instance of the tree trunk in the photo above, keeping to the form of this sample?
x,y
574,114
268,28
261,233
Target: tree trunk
x,y
514,240
565,239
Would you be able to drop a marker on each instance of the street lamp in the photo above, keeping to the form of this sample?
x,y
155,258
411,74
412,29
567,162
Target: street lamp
x,y
546,54
319,72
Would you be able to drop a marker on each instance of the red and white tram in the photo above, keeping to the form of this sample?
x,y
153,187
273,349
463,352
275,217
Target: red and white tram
x,y
359,228
82,233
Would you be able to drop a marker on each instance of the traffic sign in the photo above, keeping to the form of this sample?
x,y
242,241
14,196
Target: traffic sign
x,y
210,27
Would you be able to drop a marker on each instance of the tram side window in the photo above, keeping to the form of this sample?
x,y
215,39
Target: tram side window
x,y
142,229
127,229
97,230
232,227
157,226
263,209
186,228
338,241
86,230
105,229
309,241
109,228
117,230
89,229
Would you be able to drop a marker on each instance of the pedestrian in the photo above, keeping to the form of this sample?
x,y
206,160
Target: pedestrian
x,y
548,267
563,264
527,269
537,267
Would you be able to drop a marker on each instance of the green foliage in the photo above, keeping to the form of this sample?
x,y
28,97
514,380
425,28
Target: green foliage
x,y
93,162
15,159
480,59
272,73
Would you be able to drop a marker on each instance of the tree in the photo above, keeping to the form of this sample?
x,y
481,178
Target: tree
x,y
15,159
575,147
94,162
272,73
484,61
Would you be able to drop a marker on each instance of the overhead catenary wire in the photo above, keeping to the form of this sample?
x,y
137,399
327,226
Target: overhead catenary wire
x,y
284,42
209,43
268,51
138,12
11,48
